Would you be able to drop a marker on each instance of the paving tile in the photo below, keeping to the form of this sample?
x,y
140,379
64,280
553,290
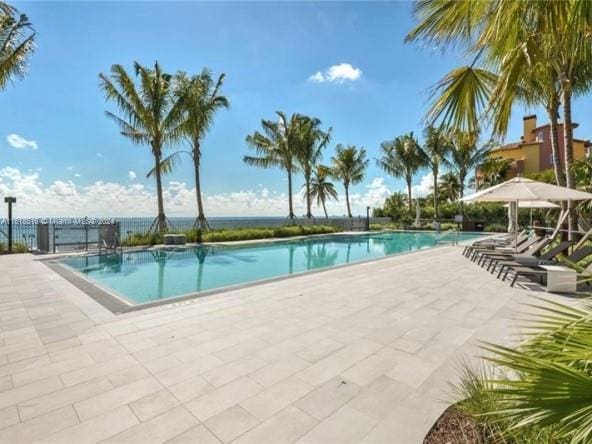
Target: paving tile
x,y
122,395
327,398
153,404
5,383
9,416
284,427
195,435
29,391
63,397
158,429
181,372
226,373
57,368
102,369
220,399
275,398
191,388
275,372
347,425
231,423
127,375
372,367
377,399
40,427
98,428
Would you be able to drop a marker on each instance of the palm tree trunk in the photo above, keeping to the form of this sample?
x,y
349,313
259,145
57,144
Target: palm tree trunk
x,y
347,200
324,208
308,203
409,197
291,215
200,221
435,173
568,146
559,173
461,192
160,218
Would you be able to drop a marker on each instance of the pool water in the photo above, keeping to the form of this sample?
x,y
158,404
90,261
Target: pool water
x,y
151,275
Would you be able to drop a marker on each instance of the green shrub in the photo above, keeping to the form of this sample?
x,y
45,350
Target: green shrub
x,y
17,247
496,228
238,234
231,235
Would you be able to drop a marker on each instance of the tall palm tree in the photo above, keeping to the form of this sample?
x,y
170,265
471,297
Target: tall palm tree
x,y
321,189
150,116
349,166
465,156
17,41
276,148
512,44
449,187
200,98
311,143
401,158
435,150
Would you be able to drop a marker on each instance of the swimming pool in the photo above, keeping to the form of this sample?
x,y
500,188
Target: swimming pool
x,y
140,277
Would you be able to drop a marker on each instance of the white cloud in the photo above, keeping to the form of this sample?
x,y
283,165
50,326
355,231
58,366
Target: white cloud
x,y
131,175
66,199
339,73
20,143
77,175
425,187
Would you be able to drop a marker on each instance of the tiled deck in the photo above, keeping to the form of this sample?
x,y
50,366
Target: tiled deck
x,y
357,354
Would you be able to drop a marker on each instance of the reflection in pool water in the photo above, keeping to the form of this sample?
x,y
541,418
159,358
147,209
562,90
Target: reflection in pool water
x,y
149,275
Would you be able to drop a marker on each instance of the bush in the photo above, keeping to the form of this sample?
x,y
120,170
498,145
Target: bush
x,y
231,235
17,247
495,228
142,239
266,233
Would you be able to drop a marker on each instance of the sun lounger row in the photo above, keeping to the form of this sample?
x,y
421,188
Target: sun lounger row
x,y
526,256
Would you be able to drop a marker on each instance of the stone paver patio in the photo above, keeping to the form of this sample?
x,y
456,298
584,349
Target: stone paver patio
x,y
356,354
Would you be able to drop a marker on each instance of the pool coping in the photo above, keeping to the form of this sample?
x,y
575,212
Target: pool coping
x,y
117,304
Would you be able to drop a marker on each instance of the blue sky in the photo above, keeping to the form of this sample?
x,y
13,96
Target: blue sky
x,y
268,51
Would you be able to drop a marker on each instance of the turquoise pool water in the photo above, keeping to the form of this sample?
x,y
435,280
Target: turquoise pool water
x,y
147,276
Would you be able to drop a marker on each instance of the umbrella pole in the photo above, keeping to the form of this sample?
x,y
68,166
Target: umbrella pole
x,y
516,228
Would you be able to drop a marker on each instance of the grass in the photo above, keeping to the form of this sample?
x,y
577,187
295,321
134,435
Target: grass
x,y
232,235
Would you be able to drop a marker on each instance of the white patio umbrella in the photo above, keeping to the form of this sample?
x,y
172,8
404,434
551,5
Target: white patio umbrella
x,y
520,189
532,204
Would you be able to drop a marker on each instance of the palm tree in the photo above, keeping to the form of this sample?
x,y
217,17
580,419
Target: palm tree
x,y
466,156
449,187
276,147
311,142
435,150
151,116
349,166
402,158
17,41
199,97
321,189
536,50
493,172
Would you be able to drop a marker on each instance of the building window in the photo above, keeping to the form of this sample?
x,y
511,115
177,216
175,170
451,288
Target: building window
x,y
540,136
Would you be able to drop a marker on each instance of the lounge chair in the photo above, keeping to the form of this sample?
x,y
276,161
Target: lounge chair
x,y
533,251
535,271
480,255
498,241
519,260
474,252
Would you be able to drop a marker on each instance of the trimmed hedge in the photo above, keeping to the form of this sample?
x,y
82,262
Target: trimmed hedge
x,y
231,235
